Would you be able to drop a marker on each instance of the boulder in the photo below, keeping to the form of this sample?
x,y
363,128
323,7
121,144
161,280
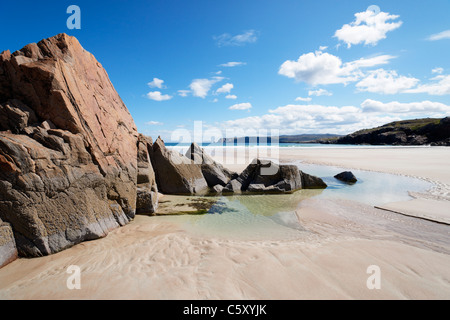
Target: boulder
x,y
347,177
175,173
147,191
213,171
8,251
68,148
218,189
312,182
234,186
265,176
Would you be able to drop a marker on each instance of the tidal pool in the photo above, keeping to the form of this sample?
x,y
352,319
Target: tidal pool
x,y
270,216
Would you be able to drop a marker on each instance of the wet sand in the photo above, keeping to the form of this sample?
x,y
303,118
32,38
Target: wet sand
x,y
153,258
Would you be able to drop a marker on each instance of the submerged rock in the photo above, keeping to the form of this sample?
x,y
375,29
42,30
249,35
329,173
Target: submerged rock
x,y
68,148
347,177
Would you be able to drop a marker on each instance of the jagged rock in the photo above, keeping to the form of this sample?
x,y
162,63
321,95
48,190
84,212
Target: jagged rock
x,y
234,186
175,173
68,148
8,251
213,171
264,176
147,191
15,116
347,177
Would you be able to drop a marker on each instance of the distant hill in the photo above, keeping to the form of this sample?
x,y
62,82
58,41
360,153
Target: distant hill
x,y
300,138
409,132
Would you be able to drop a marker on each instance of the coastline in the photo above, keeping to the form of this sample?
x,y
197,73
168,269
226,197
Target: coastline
x,y
153,259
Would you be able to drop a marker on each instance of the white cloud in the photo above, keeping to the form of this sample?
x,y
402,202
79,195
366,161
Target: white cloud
x,y
227,39
439,87
241,106
156,83
232,64
226,88
231,96
323,48
154,123
423,108
201,87
386,82
157,96
324,68
440,36
437,70
319,93
215,100
219,72
303,99
183,93
368,28
296,119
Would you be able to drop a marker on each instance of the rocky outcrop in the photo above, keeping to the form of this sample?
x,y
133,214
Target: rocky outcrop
x,y
213,172
264,176
407,132
347,177
175,173
68,148
147,191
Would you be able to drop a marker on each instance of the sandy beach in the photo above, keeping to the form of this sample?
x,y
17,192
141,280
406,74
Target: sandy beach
x,y
154,258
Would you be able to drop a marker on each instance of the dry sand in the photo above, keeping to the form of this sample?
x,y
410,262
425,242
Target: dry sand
x,y
152,258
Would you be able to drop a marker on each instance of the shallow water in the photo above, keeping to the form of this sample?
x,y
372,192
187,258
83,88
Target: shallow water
x,y
260,217
372,188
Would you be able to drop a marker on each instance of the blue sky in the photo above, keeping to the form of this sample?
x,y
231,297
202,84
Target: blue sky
x,y
293,65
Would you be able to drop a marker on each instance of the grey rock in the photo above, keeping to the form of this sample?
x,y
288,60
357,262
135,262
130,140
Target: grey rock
x,y
346,176
218,189
234,186
147,189
264,176
312,182
175,173
213,171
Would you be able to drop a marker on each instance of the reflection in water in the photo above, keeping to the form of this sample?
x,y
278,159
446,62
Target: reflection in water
x,y
253,217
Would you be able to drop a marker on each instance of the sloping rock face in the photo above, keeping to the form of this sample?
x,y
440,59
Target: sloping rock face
x,y
147,191
68,146
175,173
214,173
264,176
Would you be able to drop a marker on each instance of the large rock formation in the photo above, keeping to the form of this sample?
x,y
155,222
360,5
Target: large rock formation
x,y
215,174
68,148
175,173
264,176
